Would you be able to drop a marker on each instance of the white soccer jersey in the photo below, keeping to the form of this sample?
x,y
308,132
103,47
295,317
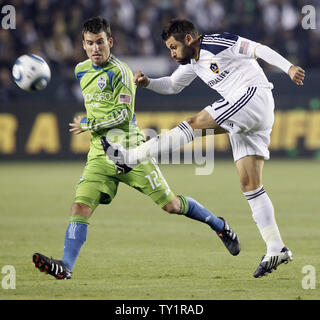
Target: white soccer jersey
x,y
226,63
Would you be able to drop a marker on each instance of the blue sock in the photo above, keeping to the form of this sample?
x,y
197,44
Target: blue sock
x,y
75,237
194,210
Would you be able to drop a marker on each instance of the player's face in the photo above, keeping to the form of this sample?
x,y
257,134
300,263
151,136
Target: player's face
x,y
181,52
97,47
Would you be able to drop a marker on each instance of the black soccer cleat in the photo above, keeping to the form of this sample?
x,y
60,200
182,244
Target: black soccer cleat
x,y
269,263
115,155
55,268
229,239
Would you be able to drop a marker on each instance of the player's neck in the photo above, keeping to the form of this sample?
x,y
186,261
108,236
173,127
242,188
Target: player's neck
x,y
196,45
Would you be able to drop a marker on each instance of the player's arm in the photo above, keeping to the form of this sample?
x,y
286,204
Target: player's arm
x,y
113,119
173,84
256,50
267,54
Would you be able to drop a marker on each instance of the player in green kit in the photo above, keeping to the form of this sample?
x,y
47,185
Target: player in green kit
x,y
109,95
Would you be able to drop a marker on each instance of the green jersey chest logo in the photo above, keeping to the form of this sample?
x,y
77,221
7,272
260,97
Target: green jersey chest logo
x,y
102,82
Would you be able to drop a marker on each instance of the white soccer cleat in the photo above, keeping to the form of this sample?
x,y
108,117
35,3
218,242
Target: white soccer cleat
x,y
269,263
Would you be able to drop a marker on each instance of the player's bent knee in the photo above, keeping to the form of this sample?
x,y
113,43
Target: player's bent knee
x,y
81,209
193,122
203,120
173,206
197,122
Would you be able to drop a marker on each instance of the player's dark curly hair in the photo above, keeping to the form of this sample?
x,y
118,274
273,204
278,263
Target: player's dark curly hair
x,y
97,25
179,28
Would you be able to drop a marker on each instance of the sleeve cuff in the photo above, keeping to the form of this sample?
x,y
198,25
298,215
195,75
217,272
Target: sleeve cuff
x,y
149,84
83,124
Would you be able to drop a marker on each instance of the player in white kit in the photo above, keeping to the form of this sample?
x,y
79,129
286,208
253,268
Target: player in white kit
x,y
226,63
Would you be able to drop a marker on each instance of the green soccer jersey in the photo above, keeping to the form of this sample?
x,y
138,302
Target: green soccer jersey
x,y
109,96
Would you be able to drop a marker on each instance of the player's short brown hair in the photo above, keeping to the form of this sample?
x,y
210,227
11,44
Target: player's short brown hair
x,y
97,25
179,28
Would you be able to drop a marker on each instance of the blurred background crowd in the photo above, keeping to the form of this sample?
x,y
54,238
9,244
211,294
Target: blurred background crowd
x,y
52,29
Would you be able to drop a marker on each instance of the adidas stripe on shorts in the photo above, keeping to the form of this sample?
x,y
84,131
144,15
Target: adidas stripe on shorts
x,y
248,116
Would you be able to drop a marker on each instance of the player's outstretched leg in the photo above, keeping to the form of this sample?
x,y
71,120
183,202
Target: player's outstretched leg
x,y
55,268
194,210
270,262
125,159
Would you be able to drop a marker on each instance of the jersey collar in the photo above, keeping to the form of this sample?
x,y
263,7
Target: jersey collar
x,y
102,66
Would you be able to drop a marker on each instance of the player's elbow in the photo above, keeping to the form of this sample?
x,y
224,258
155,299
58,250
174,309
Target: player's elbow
x,y
176,89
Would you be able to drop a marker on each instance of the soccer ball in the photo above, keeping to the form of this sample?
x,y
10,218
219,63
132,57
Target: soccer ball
x,y
31,73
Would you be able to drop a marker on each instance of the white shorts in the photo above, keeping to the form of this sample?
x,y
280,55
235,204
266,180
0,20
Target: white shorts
x,y
248,116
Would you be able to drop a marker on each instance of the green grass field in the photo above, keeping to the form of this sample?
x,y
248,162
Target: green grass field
x,y
134,250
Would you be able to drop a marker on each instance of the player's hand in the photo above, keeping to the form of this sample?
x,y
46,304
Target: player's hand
x,y
75,125
297,75
140,79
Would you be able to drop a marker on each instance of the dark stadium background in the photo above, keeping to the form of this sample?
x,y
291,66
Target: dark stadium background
x,y
35,125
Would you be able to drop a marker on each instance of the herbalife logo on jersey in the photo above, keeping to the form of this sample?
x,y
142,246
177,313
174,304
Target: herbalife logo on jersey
x,y
102,82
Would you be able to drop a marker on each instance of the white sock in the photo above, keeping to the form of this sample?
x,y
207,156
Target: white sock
x,y
263,215
164,143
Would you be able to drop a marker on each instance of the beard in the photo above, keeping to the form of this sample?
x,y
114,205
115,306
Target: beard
x,y
187,54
